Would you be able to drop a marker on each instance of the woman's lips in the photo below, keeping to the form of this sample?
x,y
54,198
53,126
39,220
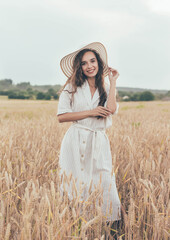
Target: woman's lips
x,y
91,71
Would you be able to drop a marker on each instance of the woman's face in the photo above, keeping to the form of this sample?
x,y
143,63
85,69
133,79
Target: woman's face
x,y
89,64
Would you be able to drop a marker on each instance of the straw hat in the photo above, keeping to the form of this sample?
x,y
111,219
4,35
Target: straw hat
x,y
66,62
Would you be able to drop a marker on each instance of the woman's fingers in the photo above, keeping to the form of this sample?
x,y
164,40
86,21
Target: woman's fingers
x,y
114,72
112,69
103,111
102,115
104,108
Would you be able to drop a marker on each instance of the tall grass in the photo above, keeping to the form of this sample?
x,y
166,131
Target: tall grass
x,y
31,206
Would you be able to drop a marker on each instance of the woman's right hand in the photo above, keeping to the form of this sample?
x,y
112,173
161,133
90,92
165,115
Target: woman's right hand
x,y
100,111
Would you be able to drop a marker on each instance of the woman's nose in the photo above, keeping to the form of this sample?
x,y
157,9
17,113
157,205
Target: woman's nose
x,y
89,65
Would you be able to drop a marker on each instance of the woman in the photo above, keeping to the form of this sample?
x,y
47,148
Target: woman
x,y
89,103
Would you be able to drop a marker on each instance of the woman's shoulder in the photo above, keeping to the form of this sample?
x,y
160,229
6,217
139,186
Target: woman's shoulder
x,y
68,87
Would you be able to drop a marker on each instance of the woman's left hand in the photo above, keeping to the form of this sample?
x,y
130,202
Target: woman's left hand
x,y
113,75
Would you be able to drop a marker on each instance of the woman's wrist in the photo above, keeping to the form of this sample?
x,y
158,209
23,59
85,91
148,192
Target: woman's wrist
x,y
113,84
89,113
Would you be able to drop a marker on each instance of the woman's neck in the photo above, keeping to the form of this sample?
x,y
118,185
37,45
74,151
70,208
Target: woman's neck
x,y
91,81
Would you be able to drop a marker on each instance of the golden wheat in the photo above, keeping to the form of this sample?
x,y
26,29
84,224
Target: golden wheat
x,y
31,206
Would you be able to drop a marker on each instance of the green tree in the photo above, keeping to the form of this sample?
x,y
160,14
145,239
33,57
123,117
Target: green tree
x,y
17,95
6,82
12,95
47,96
30,93
146,96
29,90
56,96
5,93
23,85
51,91
167,94
135,97
40,95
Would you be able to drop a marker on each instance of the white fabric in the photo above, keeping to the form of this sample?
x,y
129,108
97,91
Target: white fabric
x,y
85,149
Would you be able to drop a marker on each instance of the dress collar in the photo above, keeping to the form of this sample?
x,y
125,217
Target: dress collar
x,y
87,94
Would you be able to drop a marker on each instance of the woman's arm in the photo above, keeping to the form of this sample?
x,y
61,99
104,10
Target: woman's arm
x,y
74,116
111,102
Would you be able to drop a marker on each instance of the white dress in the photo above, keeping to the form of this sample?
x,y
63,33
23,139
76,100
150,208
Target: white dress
x,y
85,149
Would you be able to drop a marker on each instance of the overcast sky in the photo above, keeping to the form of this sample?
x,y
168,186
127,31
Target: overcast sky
x,y
36,34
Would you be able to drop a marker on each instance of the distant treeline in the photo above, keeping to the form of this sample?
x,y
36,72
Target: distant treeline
x,y
143,96
30,94
25,90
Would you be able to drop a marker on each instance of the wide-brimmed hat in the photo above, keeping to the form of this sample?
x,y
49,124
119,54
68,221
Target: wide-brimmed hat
x,y
66,62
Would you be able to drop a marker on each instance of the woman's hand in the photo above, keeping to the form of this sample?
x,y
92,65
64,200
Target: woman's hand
x,y
100,111
113,75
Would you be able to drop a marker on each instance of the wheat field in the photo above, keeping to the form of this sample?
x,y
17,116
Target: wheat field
x,y
30,203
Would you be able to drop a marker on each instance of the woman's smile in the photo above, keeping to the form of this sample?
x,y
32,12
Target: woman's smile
x,y
91,71
89,64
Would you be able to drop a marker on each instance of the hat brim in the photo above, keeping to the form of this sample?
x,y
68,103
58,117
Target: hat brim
x,y
66,62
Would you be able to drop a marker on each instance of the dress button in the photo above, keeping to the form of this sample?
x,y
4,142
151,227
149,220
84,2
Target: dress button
x,y
83,141
82,169
82,155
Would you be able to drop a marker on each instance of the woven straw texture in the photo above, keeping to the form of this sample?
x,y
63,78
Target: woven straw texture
x,y
66,62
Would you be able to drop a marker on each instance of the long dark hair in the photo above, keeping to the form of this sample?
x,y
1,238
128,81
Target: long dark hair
x,y
78,78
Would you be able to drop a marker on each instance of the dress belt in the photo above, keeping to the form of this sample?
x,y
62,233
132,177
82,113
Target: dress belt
x,y
96,145
87,128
